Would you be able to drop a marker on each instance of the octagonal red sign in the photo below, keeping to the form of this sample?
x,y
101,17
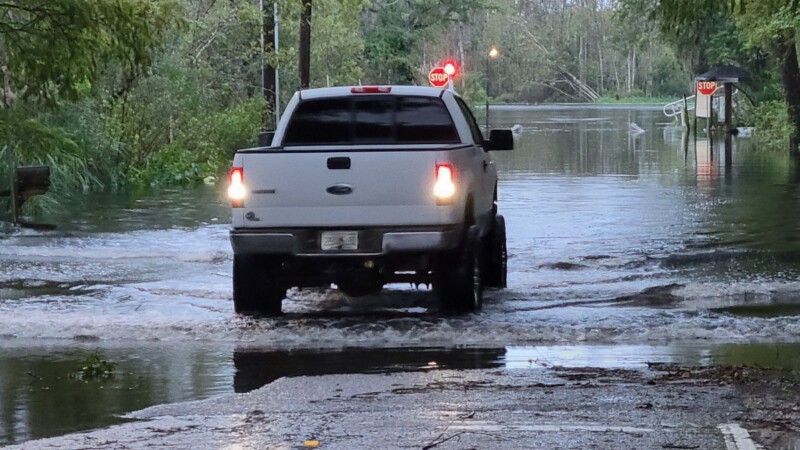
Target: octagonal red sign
x,y
707,87
438,77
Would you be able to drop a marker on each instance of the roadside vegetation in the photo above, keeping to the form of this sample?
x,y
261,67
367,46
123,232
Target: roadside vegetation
x,y
114,93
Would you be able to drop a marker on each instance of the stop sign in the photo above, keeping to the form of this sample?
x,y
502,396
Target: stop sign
x,y
438,77
707,87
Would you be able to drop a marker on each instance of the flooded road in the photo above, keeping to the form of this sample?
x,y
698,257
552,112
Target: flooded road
x,y
625,241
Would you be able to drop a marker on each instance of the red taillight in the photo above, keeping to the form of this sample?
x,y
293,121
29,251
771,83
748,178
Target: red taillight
x,y
236,189
445,188
371,90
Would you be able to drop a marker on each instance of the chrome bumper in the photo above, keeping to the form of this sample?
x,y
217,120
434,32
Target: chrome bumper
x,y
305,242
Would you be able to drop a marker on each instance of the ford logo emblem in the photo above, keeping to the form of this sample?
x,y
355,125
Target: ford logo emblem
x,y
340,189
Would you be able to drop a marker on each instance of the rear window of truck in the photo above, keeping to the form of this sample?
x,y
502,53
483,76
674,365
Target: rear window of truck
x,y
371,119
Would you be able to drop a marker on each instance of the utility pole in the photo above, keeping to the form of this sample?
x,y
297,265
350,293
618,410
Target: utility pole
x,y
277,72
267,43
305,45
268,72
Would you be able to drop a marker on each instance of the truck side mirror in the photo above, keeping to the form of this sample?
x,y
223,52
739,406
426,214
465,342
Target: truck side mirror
x,y
500,140
265,138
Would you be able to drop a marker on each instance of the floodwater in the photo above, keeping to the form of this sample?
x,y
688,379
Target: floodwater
x,y
624,249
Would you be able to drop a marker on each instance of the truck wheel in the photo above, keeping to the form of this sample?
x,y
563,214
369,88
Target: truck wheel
x,y
496,268
460,278
256,287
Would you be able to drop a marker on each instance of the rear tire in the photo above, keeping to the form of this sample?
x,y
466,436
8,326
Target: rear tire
x,y
496,268
460,277
256,287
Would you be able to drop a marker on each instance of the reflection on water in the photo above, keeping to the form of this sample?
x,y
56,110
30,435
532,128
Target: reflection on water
x,y
151,209
771,356
40,397
580,180
255,368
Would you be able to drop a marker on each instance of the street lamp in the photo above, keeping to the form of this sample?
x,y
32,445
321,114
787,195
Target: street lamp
x,y
493,54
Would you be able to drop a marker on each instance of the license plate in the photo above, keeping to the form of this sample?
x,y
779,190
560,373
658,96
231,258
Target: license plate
x,y
339,240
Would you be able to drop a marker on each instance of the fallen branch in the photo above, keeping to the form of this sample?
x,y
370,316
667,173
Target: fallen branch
x,y
438,439
442,441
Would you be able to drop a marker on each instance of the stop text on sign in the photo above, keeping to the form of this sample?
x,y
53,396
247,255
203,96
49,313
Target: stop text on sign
x,y
707,87
438,77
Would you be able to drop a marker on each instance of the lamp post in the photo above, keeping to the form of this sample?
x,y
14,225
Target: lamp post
x,y
493,53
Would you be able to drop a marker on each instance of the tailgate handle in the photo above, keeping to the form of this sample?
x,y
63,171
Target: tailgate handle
x,y
339,163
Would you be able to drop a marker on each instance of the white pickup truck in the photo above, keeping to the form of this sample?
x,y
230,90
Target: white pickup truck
x,y
364,186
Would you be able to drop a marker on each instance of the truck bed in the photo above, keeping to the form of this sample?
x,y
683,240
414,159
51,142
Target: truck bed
x,y
330,187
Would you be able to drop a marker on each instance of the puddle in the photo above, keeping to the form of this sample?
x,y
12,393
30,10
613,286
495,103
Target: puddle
x,y
601,356
255,368
766,356
39,398
762,311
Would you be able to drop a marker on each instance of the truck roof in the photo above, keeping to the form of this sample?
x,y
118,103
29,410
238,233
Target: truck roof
x,y
342,91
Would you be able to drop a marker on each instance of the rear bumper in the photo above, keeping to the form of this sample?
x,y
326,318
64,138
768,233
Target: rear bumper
x,y
372,242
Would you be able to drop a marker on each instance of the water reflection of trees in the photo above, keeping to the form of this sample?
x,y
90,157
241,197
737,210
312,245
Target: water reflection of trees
x,y
38,398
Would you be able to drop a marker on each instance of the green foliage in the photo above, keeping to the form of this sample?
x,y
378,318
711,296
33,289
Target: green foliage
x,y
338,47
95,368
664,78
759,36
178,122
172,165
31,141
202,148
771,124
337,44
52,49
395,33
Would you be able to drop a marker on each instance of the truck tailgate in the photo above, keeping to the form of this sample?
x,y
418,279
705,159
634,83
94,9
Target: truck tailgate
x,y
315,189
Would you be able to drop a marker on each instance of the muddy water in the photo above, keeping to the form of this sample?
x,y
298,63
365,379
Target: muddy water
x,y
614,239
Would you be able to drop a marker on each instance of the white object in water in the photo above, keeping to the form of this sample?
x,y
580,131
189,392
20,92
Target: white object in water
x,y
636,129
516,129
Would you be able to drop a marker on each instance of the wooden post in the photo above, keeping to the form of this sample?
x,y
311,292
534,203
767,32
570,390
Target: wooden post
x,y
728,126
305,45
685,114
685,143
728,107
13,190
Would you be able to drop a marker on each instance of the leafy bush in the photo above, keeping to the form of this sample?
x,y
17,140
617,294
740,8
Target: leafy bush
x,y
771,124
95,368
172,165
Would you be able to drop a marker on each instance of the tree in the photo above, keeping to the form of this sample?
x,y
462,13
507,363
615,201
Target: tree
x,y
773,24
395,32
56,50
50,49
760,25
